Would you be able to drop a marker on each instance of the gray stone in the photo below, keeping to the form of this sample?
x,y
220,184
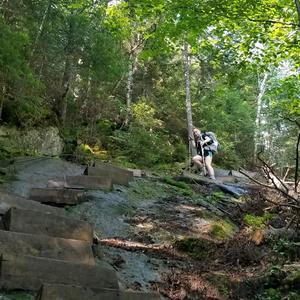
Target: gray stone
x,y
57,195
240,175
90,182
44,141
29,273
69,292
221,172
9,200
28,221
44,246
118,175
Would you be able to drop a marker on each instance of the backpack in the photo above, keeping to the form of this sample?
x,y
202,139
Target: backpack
x,y
214,145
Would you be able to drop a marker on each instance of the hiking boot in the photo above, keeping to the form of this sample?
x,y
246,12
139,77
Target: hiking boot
x,y
212,177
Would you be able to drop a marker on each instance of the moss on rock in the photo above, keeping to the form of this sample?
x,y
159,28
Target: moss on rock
x,y
197,248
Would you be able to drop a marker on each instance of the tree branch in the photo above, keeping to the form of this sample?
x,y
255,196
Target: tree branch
x,y
256,181
283,204
290,24
271,172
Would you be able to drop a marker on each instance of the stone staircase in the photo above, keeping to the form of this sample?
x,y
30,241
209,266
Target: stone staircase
x,y
43,250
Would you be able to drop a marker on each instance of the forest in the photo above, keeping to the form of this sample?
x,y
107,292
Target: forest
x,y
126,81
116,76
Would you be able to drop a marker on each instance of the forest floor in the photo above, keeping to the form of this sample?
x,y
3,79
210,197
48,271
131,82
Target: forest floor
x,y
183,241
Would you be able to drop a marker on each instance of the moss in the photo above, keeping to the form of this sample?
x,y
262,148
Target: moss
x,y
183,187
222,229
257,222
168,169
218,194
205,214
176,183
197,248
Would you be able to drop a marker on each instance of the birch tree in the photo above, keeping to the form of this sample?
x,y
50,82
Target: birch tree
x,y
262,84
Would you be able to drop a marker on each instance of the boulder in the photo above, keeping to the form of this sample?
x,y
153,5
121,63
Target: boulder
x,y
28,221
45,141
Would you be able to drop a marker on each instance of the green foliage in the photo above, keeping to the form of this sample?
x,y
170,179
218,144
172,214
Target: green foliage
x,y
146,148
257,222
144,115
22,102
280,284
287,249
13,62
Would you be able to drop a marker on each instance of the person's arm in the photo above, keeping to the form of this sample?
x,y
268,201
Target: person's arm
x,y
206,140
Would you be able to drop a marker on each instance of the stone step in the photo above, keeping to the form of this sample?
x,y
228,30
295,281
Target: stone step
x,y
10,200
118,175
90,182
44,246
57,195
29,221
69,292
29,273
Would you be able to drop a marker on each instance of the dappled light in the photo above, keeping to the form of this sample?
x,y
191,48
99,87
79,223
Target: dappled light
x,y
152,147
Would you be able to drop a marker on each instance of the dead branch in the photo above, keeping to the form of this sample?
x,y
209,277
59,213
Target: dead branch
x,y
283,204
256,181
278,183
286,174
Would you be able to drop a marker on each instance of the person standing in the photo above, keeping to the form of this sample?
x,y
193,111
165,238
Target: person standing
x,y
205,152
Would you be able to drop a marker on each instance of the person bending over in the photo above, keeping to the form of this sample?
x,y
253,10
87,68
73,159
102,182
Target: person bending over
x,y
203,142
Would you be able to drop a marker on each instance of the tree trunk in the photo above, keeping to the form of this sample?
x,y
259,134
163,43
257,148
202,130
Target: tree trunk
x,y
297,3
2,100
257,139
65,89
41,27
131,72
188,104
67,75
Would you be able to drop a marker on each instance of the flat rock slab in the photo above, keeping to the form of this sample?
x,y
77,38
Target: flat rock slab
x,y
29,273
68,292
10,200
90,182
240,175
118,175
221,172
28,221
44,246
57,195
